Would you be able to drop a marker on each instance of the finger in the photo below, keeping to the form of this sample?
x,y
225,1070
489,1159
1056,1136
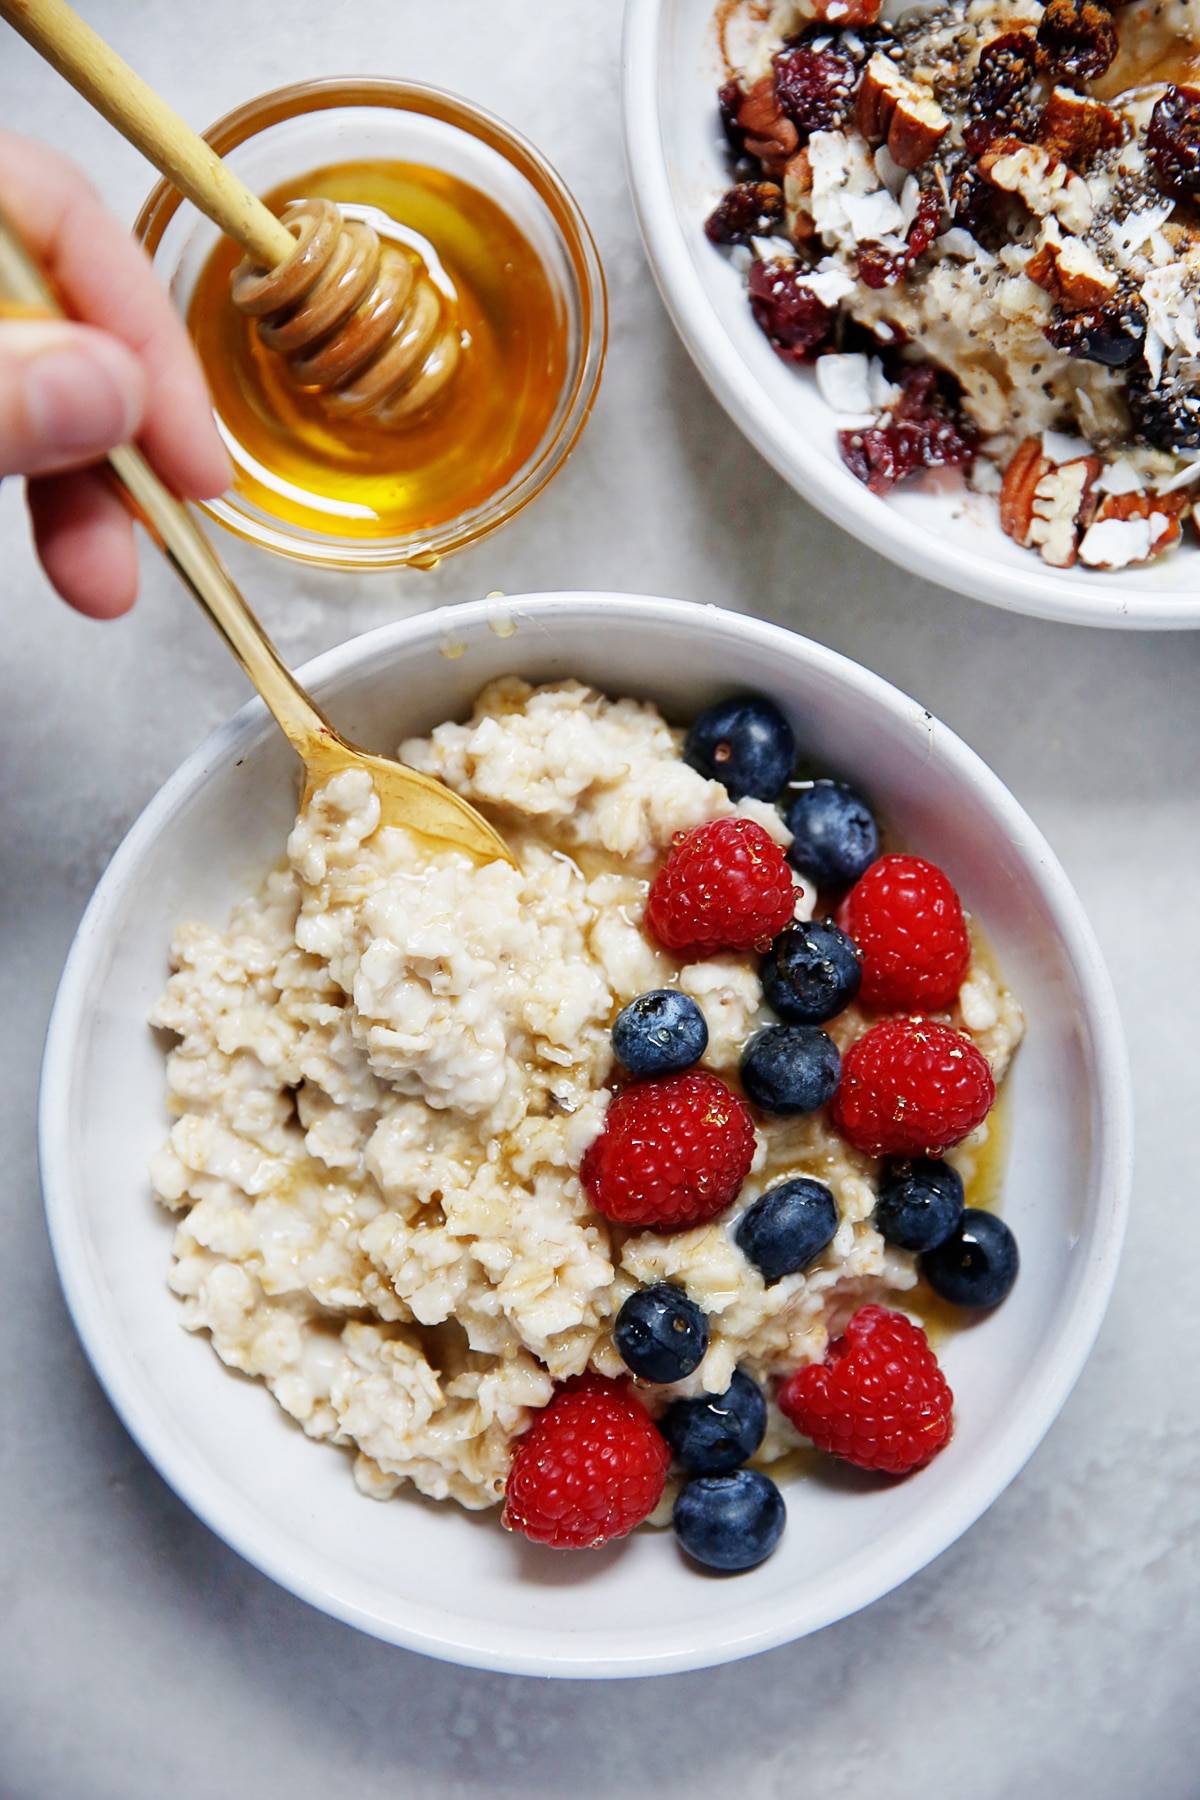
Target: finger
x,y
68,393
107,280
85,540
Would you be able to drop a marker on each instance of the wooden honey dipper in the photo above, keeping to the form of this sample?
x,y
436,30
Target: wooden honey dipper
x,y
358,320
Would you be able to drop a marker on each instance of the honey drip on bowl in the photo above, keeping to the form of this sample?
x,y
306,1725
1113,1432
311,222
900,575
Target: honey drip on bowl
x,y
356,477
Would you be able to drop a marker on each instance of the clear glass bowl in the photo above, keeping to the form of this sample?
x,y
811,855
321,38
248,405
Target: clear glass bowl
x,y
286,133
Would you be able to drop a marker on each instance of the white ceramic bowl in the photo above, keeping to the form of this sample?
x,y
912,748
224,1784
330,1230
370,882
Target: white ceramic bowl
x,y
435,1578
677,170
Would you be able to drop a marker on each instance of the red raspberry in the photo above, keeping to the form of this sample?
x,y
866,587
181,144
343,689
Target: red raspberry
x,y
672,1153
724,886
591,1467
879,1400
907,920
911,1088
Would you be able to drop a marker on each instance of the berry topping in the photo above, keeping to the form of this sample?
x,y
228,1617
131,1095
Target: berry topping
x,y
977,1264
815,87
920,1203
1166,417
725,886
751,209
811,973
834,835
660,1033
729,104
1078,39
730,1522
879,1400
672,1153
716,1433
908,923
660,1333
1113,335
591,1467
925,429
795,321
1004,75
790,1068
787,1227
1173,142
746,744
911,1088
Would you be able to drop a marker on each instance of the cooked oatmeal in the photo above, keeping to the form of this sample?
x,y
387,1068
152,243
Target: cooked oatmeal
x,y
390,1064
978,217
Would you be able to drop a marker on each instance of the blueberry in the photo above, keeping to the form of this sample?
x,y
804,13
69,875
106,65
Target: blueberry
x,y
834,835
730,1521
790,1068
661,1334
977,1265
745,743
787,1227
920,1203
716,1432
660,1033
811,972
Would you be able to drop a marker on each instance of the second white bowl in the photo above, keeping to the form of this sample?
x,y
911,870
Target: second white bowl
x,y
677,171
433,1577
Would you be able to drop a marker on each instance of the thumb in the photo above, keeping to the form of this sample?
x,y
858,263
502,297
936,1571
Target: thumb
x,y
68,393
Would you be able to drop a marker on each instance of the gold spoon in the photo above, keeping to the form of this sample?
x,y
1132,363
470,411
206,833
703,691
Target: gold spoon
x,y
407,798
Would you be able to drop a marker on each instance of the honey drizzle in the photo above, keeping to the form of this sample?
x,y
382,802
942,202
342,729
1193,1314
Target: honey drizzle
x,y
354,477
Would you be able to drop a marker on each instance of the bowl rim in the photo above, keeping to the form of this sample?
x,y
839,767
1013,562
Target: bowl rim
x,y
581,385
186,1472
1036,591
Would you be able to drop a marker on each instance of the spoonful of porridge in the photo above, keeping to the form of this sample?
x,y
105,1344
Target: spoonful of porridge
x,y
406,797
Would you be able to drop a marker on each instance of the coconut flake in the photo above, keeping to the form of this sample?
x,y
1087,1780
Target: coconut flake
x,y
844,383
1190,472
1116,543
871,216
1061,447
829,282
1121,477
1136,228
774,249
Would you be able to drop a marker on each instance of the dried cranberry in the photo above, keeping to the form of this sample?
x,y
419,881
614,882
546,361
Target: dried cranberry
x,y
816,87
1166,418
924,431
1173,142
794,320
1078,38
879,267
748,210
729,99
973,202
1006,71
1112,335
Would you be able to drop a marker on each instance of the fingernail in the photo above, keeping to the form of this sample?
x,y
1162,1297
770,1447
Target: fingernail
x,y
79,398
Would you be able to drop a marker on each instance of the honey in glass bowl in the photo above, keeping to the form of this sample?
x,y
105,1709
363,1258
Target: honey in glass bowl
x,y
495,226
296,459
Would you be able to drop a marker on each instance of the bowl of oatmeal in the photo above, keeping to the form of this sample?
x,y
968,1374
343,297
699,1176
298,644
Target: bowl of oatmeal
x,y
329,1228
938,262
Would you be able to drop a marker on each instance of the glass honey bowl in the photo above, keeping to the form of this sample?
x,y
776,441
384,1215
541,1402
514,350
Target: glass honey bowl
x,y
496,225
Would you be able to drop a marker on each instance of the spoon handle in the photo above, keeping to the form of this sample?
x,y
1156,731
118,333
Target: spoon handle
x,y
24,290
69,45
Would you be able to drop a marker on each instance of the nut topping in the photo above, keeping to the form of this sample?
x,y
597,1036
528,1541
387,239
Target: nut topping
x,y
892,109
1076,128
769,133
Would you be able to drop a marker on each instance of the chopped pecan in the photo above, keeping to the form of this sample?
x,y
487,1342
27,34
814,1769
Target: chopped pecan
x,y
1047,506
892,109
1042,180
769,133
797,206
1077,128
1019,487
1163,514
1071,272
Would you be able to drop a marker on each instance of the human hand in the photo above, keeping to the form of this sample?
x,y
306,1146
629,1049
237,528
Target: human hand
x,y
70,392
